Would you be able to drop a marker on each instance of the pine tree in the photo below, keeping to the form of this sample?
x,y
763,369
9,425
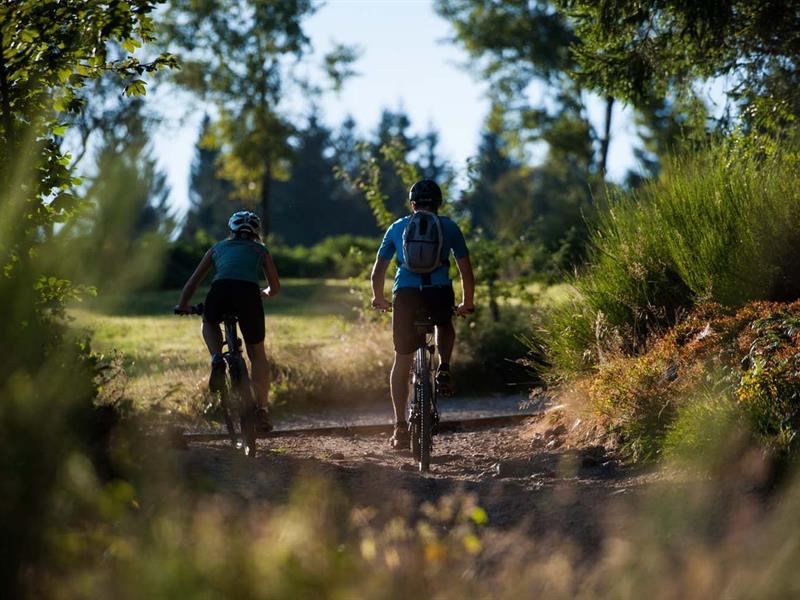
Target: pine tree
x,y
491,164
302,206
210,196
393,128
312,204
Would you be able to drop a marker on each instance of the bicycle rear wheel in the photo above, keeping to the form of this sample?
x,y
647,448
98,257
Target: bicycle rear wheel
x,y
242,393
227,415
414,424
426,423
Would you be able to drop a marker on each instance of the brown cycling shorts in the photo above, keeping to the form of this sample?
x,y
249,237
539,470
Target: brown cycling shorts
x,y
413,304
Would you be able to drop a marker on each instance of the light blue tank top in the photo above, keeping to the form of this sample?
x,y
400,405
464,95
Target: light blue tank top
x,y
239,259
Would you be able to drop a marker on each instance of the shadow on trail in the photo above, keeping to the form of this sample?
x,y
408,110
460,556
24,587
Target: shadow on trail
x,y
534,498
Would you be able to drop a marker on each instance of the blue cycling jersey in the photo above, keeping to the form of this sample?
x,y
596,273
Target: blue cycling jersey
x,y
239,259
393,244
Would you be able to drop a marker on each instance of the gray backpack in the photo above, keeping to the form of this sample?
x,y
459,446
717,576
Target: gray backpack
x,y
422,242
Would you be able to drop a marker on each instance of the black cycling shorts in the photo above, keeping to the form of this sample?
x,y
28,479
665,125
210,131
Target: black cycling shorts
x,y
240,298
413,304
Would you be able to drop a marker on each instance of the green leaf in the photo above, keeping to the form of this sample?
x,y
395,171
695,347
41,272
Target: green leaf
x,y
60,130
136,88
28,35
131,44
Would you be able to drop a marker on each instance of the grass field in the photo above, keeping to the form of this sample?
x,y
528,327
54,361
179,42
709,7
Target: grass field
x,y
321,351
317,346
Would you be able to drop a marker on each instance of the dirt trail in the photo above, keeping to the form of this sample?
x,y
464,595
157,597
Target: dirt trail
x,y
520,481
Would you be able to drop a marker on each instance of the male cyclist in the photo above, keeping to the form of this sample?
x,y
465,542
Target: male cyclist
x,y
428,294
240,261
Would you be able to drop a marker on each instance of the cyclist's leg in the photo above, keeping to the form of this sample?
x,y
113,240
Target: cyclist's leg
x,y
212,335
440,304
398,383
258,360
406,307
251,322
445,340
217,303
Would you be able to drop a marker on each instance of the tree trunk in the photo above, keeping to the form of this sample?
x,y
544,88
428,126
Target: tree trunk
x,y
606,140
494,307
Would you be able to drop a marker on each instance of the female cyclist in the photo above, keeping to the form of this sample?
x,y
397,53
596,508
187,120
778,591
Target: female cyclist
x,y
239,262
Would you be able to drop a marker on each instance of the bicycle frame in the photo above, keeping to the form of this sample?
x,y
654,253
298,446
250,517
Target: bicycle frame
x,y
232,340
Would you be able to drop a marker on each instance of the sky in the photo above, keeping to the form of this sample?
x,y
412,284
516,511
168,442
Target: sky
x,y
405,62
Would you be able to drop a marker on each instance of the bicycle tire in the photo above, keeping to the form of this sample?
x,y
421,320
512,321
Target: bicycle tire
x,y
425,434
414,423
243,394
227,415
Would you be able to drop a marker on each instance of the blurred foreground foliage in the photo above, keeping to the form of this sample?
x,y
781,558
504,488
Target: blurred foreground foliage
x,y
48,385
171,535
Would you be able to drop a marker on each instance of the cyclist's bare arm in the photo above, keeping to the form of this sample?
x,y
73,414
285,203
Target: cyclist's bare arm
x,y
273,281
467,286
378,278
191,285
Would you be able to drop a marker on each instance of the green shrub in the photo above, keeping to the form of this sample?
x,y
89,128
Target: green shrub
x,y
490,355
704,427
769,391
717,376
568,337
334,257
719,225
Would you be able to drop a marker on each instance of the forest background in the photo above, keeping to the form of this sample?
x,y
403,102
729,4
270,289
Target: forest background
x,y
676,282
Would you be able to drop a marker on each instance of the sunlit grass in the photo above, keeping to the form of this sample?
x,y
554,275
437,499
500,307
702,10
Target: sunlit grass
x,y
314,341
320,350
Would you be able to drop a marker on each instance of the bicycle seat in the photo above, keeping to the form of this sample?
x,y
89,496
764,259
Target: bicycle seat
x,y
425,326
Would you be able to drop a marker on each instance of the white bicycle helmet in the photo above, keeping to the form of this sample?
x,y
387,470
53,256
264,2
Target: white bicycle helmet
x,y
244,220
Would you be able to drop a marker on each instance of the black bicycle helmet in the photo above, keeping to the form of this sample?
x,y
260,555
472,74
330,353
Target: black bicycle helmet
x,y
425,191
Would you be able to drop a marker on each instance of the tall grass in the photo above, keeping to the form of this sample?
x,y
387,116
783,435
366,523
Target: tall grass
x,y
719,225
159,537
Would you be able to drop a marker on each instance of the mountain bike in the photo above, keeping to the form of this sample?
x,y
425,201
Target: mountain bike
x,y
423,410
236,396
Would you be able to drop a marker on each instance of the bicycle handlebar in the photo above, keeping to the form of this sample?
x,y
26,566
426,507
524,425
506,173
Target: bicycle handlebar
x,y
453,310
197,309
